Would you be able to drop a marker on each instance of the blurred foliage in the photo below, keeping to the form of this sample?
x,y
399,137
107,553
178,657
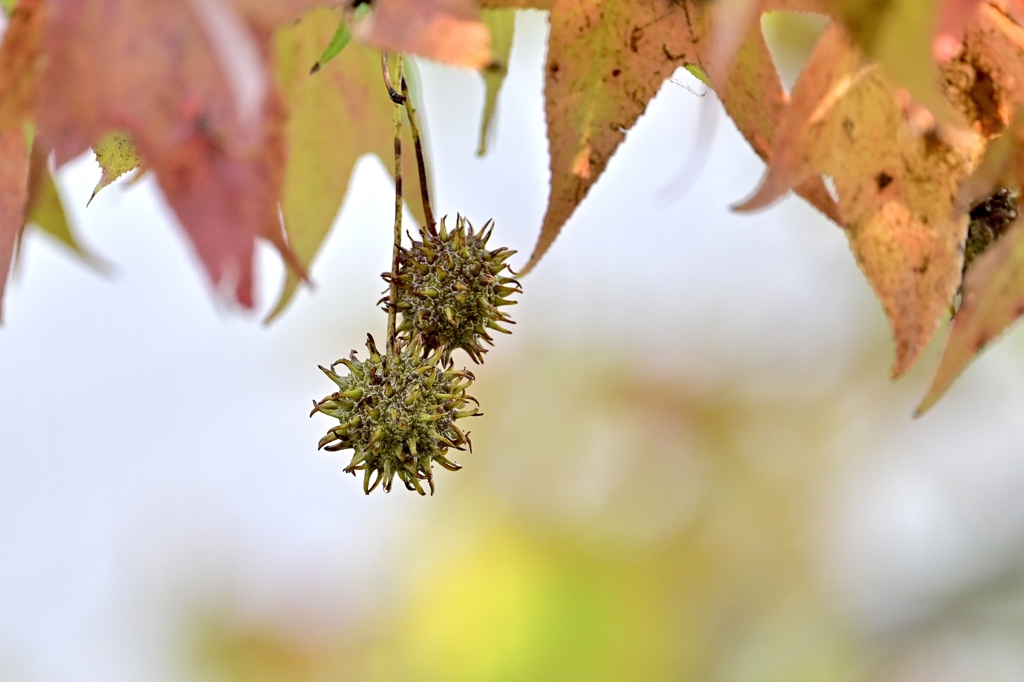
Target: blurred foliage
x,y
615,524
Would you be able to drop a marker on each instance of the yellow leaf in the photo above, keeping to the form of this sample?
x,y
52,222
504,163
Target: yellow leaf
x,y
336,116
501,24
116,155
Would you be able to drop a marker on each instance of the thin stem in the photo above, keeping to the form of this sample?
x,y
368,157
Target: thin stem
x,y
421,162
396,97
397,243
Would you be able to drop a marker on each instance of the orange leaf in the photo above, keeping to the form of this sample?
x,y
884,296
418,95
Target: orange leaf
x,y
833,68
899,35
899,208
753,96
605,62
897,189
449,31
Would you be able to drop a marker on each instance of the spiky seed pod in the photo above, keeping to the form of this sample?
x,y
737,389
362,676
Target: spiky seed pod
x,y
398,413
451,290
990,218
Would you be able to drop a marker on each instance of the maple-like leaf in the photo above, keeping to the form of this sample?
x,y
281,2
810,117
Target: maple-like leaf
x,y
993,288
501,25
335,117
116,155
605,62
449,31
832,70
13,196
897,188
195,98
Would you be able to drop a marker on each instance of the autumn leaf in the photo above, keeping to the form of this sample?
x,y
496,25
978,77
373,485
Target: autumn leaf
x,y
340,40
832,70
210,130
13,195
993,288
116,155
951,18
446,30
899,35
501,25
335,117
992,300
754,98
19,61
516,4
897,188
45,211
605,62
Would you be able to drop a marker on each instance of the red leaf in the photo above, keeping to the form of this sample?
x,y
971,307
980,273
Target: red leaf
x,y
19,61
449,31
13,195
187,80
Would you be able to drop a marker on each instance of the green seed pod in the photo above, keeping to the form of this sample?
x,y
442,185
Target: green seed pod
x,y
451,290
397,412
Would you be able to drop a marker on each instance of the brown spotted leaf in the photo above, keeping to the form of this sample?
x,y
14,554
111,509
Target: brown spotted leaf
x,y
898,197
605,62
833,68
897,188
987,75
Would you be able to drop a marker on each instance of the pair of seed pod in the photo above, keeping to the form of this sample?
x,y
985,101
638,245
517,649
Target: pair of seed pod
x,y
452,288
397,411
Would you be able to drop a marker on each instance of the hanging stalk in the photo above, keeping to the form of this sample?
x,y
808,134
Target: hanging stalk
x,y
396,97
397,240
421,162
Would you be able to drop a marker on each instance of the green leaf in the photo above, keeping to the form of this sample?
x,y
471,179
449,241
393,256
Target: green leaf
x,y
501,24
116,155
46,211
339,40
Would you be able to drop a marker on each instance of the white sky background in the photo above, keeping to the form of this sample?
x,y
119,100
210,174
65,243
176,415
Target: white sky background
x,y
149,433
